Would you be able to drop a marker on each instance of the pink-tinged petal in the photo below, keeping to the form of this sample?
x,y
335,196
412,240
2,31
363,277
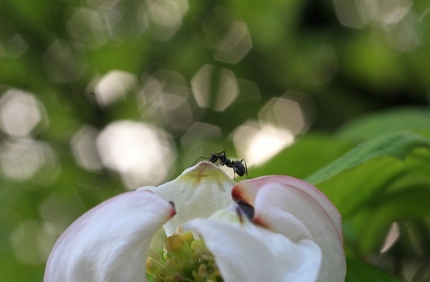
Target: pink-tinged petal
x,y
281,207
246,191
111,241
199,191
252,253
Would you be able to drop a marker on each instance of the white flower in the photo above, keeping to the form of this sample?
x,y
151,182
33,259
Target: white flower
x,y
273,228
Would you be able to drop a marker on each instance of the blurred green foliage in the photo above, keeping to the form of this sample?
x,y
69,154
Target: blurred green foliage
x,y
366,78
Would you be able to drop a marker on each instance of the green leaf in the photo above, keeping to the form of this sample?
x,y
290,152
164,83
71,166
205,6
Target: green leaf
x,y
359,271
377,179
372,195
410,119
370,225
351,188
396,145
383,180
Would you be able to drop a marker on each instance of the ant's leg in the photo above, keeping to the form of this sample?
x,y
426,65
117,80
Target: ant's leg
x,y
222,158
246,169
199,159
213,158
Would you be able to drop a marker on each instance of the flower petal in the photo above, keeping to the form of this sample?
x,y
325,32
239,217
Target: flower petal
x,y
252,253
246,191
281,206
111,241
199,191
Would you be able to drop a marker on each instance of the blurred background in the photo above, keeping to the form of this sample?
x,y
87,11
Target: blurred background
x,y
98,97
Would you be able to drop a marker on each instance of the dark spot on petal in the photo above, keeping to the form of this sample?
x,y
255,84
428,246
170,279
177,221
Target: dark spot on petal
x,y
173,206
247,209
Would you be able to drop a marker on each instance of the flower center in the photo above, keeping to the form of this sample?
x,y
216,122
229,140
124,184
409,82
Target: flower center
x,y
183,258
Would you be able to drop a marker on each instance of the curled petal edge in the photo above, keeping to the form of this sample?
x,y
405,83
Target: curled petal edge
x,y
298,210
111,241
247,190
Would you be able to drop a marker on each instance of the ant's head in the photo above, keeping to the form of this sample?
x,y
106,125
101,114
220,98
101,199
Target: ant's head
x,y
213,158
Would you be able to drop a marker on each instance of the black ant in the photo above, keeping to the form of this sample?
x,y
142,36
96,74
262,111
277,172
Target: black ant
x,y
239,167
